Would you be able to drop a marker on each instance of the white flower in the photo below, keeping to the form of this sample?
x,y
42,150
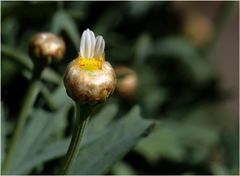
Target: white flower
x,y
91,47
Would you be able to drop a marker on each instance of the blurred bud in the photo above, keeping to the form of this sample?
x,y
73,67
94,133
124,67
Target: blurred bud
x,y
46,48
89,78
199,28
127,81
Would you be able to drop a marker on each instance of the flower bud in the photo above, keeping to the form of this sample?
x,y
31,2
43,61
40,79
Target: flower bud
x,y
198,28
89,78
127,81
46,48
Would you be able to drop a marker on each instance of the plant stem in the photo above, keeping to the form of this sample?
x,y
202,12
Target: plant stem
x,y
82,114
29,99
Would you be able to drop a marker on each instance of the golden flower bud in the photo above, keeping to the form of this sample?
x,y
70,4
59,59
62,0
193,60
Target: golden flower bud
x,y
46,48
127,81
199,28
89,78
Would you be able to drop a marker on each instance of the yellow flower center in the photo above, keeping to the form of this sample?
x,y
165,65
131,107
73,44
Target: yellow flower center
x,y
90,64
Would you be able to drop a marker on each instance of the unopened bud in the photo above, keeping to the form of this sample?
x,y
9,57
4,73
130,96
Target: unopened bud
x,y
46,48
127,81
89,78
198,28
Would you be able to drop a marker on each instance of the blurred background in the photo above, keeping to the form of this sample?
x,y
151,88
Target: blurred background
x,y
177,60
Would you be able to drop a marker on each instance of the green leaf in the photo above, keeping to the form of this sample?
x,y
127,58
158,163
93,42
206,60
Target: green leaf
x,y
153,99
10,28
59,148
181,49
98,156
60,97
9,71
52,132
30,134
62,21
176,141
122,168
131,124
53,151
17,56
22,60
143,48
163,142
42,129
100,121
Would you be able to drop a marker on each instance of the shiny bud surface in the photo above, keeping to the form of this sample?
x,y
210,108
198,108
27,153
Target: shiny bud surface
x,y
127,81
46,48
89,78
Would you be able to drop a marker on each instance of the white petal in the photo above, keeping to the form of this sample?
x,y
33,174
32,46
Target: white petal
x,y
82,44
99,47
87,44
93,42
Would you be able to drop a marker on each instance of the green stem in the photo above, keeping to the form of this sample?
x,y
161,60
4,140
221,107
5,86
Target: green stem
x,y
82,114
28,102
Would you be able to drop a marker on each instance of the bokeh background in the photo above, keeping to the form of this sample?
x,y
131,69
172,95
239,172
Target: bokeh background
x,y
183,59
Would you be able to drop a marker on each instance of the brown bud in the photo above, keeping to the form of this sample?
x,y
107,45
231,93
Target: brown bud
x,y
127,81
46,48
199,28
89,85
